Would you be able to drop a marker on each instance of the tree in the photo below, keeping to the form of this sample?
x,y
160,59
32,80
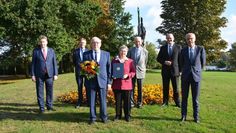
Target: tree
x,y
202,17
62,21
114,26
152,55
233,57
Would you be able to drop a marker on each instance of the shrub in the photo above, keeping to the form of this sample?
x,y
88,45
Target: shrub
x,y
152,94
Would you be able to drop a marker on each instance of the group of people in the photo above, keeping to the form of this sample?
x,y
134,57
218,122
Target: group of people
x,y
175,61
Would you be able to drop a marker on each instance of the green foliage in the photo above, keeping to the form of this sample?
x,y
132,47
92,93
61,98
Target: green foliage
x,y
233,57
122,31
202,17
61,21
152,55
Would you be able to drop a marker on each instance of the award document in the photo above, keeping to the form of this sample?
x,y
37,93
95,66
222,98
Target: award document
x,y
118,70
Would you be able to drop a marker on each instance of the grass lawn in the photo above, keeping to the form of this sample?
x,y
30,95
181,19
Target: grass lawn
x,y
18,109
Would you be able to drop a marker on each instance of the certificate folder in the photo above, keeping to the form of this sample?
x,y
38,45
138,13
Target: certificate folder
x,y
118,70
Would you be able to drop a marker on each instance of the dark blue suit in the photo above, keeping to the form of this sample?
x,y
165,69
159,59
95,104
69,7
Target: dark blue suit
x,y
191,75
44,71
99,84
79,78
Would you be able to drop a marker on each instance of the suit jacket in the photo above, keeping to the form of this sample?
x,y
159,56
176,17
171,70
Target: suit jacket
x,y
174,58
77,60
141,63
104,76
39,63
196,68
124,84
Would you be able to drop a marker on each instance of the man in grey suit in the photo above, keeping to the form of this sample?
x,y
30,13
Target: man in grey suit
x,y
169,57
140,57
193,59
44,71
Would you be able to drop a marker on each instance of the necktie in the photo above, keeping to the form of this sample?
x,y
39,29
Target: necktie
x,y
44,54
81,54
170,50
191,56
95,56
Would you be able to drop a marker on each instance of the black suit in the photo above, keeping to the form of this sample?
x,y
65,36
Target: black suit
x,y
170,72
77,59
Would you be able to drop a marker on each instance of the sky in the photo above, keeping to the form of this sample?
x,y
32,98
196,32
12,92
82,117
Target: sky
x,y
150,10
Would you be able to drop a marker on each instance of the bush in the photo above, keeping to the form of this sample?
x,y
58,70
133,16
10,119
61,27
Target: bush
x,y
152,94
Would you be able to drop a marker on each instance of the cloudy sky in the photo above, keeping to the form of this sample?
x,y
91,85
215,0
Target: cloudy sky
x,y
151,9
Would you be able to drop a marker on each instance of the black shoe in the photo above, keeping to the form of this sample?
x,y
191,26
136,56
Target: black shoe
x,y
105,121
164,104
117,118
183,119
178,105
41,111
132,105
51,109
127,119
196,121
91,122
77,106
139,106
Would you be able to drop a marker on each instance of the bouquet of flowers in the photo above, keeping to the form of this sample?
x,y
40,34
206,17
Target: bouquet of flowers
x,y
89,69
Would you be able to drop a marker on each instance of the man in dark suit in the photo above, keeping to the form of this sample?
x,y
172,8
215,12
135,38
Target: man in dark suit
x,y
140,57
77,59
169,57
44,70
101,82
193,59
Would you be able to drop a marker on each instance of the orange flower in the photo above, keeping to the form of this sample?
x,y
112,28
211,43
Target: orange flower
x,y
152,94
89,69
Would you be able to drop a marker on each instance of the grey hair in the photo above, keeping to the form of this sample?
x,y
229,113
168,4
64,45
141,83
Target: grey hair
x,y
123,47
188,34
43,37
95,38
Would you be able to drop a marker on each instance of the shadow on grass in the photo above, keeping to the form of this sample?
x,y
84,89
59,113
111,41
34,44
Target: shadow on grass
x,y
155,118
6,82
19,111
153,71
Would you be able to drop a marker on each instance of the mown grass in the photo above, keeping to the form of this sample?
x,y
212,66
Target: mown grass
x,y
18,109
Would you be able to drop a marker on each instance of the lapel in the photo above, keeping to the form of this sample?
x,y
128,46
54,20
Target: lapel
x,y
187,54
141,55
91,55
133,53
101,56
166,50
41,52
48,53
80,54
196,52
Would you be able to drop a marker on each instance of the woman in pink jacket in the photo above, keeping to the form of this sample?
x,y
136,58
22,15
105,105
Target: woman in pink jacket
x,y
122,86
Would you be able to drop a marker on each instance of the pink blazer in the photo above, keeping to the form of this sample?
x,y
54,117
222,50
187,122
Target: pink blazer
x,y
124,84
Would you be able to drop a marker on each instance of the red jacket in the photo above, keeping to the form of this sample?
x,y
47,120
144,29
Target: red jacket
x,y
124,84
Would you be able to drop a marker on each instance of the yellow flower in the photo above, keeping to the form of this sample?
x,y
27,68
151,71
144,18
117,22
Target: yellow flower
x,y
152,94
89,69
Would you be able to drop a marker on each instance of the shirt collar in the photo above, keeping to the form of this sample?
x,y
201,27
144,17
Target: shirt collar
x,y
118,58
191,47
170,45
46,48
96,51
